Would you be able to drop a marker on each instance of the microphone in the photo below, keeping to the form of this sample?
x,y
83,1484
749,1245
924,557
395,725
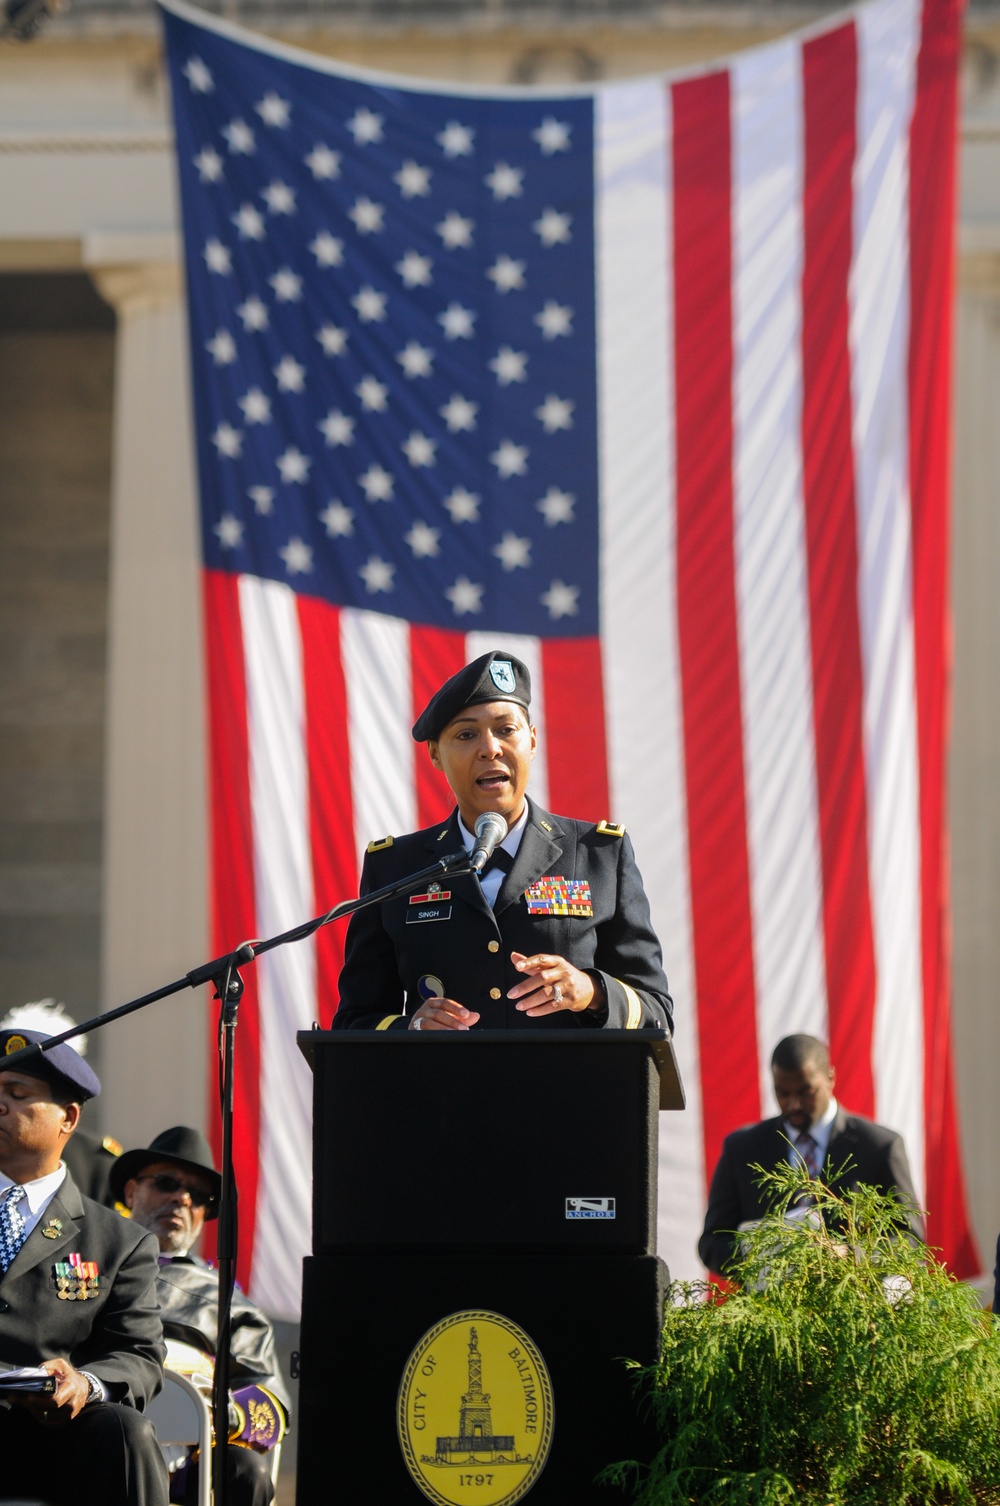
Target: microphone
x,y
491,828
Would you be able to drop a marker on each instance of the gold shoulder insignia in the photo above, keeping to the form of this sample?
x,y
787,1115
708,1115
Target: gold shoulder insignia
x,y
381,845
610,829
113,1146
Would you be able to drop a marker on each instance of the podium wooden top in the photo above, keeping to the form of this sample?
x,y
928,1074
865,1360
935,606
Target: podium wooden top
x,y
656,1041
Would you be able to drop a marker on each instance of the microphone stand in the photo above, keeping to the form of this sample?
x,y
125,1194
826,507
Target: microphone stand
x,y
223,972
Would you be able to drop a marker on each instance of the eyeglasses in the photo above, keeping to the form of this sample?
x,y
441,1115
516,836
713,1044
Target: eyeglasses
x,y
163,1182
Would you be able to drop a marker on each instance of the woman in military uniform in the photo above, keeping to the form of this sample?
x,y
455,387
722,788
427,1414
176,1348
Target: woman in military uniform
x,y
556,931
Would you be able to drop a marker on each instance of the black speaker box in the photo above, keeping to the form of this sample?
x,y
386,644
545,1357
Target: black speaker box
x,y
364,1316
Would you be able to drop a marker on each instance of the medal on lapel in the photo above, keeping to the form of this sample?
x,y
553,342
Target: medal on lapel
x,y
555,895
52,1229
76,1279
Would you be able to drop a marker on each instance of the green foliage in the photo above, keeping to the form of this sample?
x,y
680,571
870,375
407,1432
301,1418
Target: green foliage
x,y
812,1384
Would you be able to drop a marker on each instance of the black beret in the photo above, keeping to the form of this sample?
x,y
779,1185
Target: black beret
x,y
63,1067
497,676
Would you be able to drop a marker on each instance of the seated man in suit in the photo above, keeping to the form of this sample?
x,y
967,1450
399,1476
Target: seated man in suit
x,y
172,1187
811,1129
77,1299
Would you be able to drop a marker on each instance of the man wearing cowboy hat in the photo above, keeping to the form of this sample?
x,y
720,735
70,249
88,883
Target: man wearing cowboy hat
x,y
172,1188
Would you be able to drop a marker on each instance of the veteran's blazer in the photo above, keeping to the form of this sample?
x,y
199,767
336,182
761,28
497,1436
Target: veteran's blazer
x,y
114,1332
456,938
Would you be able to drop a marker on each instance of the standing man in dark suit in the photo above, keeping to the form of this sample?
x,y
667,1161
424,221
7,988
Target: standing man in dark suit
x,y
556,932
77,1298
811,1130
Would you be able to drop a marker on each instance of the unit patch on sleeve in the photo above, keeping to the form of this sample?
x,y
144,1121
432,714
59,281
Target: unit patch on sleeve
x,y
555,895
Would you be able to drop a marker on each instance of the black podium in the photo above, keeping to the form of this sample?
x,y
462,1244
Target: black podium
x,y
484,1237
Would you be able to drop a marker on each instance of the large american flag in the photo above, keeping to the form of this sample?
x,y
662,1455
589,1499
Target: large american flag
x,y
648,383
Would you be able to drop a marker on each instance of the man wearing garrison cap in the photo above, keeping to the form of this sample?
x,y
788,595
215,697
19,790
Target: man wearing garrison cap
x,y
77,1299
556,931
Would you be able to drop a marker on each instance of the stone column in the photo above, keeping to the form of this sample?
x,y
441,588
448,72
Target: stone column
x,y
155,914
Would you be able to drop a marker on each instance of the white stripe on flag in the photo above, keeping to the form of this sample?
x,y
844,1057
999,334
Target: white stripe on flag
x,y
771,570
376,656
638,587
888,36
279,802
528,650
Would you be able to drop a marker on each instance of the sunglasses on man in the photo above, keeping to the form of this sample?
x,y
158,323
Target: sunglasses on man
x,y
163,1182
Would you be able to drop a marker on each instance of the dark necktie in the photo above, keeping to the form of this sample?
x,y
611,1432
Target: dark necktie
x,y
12,1234
809,1151
500,859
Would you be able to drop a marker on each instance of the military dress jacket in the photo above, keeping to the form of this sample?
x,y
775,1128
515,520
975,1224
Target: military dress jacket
x,y
864,1153
188,1293
114,1330
574,891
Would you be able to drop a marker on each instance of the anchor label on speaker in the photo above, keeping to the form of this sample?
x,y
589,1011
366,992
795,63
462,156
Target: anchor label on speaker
x,y
475,1412
590,1207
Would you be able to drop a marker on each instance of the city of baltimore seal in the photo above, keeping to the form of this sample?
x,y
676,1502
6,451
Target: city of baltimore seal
x,y
475,1411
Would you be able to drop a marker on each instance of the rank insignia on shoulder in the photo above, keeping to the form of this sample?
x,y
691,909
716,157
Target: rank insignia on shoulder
x,y
610,829
112,1146
381,845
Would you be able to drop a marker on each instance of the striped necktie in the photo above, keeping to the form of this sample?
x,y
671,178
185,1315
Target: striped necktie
x,y
12,1235
808,1149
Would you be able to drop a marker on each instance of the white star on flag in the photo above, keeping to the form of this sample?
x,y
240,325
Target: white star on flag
x,y
560,600
228,441
555,319
512,552
509,366
506,274
338,520
510,459
367,216
280,199
415,270
249,222
291,376
287,285
369,305
505,181
459,414
239,138
556,506
198,76
552,227
322,162
209,165
229,531
457,322
273,110
365,126
253,313
455,230
256,407
262,498
419,450
293,465
376,483
465,596
552,136
423,540
218,258
555,413
463,506
414,181
377,574
222,348
333,339
373,394
298,557
416,360
337,428
327,249
456,140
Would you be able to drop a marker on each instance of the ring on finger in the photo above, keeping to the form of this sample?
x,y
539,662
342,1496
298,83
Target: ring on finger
x,y
556,993
418,1022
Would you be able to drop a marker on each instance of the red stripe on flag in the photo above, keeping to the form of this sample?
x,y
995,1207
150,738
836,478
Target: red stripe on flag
x,y
331,817
233,900
932,279
830,76
435,655
574,700
706,607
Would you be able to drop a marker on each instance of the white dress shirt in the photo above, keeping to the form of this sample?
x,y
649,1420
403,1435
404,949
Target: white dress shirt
x,y
39,1195
820,1132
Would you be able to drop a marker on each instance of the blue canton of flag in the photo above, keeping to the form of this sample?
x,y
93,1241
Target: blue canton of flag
x,y
393,343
